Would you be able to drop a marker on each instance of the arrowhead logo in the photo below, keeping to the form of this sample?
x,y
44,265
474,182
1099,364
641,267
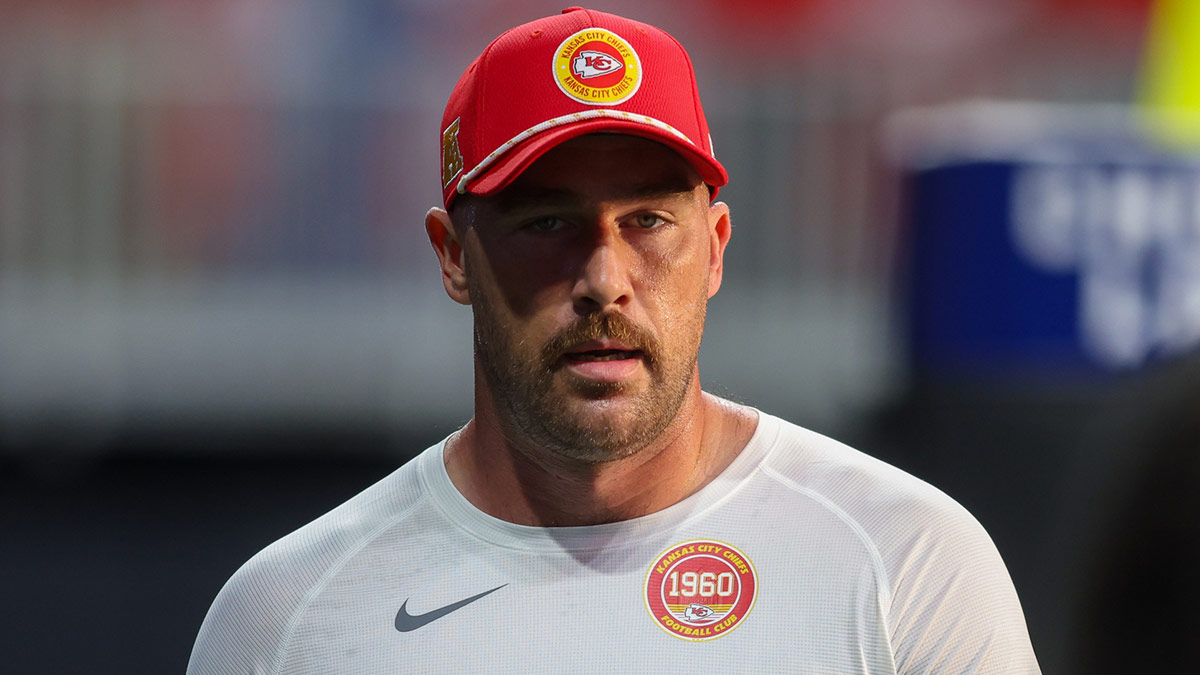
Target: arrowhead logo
x,y
590,63
406,622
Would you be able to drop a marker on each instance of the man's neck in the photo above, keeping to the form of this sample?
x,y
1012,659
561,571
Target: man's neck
x,y
529,487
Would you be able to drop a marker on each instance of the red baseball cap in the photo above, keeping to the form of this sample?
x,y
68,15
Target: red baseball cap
x,y
567,75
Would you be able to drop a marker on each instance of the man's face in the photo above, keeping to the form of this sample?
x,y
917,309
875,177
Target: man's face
x,y
589,278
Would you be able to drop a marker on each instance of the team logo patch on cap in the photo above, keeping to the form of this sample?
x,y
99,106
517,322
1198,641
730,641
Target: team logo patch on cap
x,y
452,161
597,67
700,590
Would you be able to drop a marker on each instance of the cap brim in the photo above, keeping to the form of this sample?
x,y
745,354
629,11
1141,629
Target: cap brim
x,y
510,165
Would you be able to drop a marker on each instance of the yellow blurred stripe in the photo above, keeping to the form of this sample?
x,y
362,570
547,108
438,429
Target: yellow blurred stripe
x,y
1170,86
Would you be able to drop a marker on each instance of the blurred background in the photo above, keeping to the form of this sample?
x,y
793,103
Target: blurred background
x,y
967,241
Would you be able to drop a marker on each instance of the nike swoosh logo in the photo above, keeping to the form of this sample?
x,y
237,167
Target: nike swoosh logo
x,y
406,622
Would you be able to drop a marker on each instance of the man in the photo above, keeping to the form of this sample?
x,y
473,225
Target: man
x,y
600,512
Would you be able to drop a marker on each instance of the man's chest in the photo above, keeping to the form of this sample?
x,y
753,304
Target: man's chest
x,y
692,604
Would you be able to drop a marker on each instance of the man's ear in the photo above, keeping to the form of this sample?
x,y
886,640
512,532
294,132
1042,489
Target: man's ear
x,y
720,229
446,243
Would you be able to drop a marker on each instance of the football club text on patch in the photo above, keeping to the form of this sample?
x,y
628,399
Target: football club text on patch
x,y
701,589
597,67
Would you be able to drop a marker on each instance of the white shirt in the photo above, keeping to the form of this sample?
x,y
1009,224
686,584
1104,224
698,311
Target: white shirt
x,y
803,556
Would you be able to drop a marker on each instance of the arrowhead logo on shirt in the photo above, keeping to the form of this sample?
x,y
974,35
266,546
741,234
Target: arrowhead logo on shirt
x,y
701,589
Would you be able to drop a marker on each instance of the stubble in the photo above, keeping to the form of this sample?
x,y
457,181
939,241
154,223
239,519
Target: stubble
x,y
577,419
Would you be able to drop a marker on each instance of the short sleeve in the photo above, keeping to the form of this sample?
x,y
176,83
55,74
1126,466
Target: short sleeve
x,y
954,608
247,622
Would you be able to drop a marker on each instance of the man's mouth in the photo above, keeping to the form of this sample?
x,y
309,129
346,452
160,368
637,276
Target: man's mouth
x,y
603,355
605,360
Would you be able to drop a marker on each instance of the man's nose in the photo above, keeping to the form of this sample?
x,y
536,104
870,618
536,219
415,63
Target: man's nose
x,y
603,281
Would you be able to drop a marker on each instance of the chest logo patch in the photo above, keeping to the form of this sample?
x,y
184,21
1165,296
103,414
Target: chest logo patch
x,y
597,67
700,589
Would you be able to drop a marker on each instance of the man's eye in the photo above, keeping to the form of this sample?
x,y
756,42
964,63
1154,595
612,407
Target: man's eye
x,y
648,220
547,224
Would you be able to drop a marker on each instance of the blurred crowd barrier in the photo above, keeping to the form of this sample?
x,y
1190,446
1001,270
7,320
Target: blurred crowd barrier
x,y
210,211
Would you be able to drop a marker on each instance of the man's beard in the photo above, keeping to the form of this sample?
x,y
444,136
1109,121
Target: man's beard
x,y
560,419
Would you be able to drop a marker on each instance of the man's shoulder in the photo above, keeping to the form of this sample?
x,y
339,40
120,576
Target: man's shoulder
x,y
886,504
250,617
347,526
846,475
947,597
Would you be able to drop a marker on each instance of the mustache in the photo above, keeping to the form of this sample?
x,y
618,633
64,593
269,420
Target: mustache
x,y
593,327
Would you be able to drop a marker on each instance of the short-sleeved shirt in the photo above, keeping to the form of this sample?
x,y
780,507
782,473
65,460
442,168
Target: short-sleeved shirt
x,y
804,555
